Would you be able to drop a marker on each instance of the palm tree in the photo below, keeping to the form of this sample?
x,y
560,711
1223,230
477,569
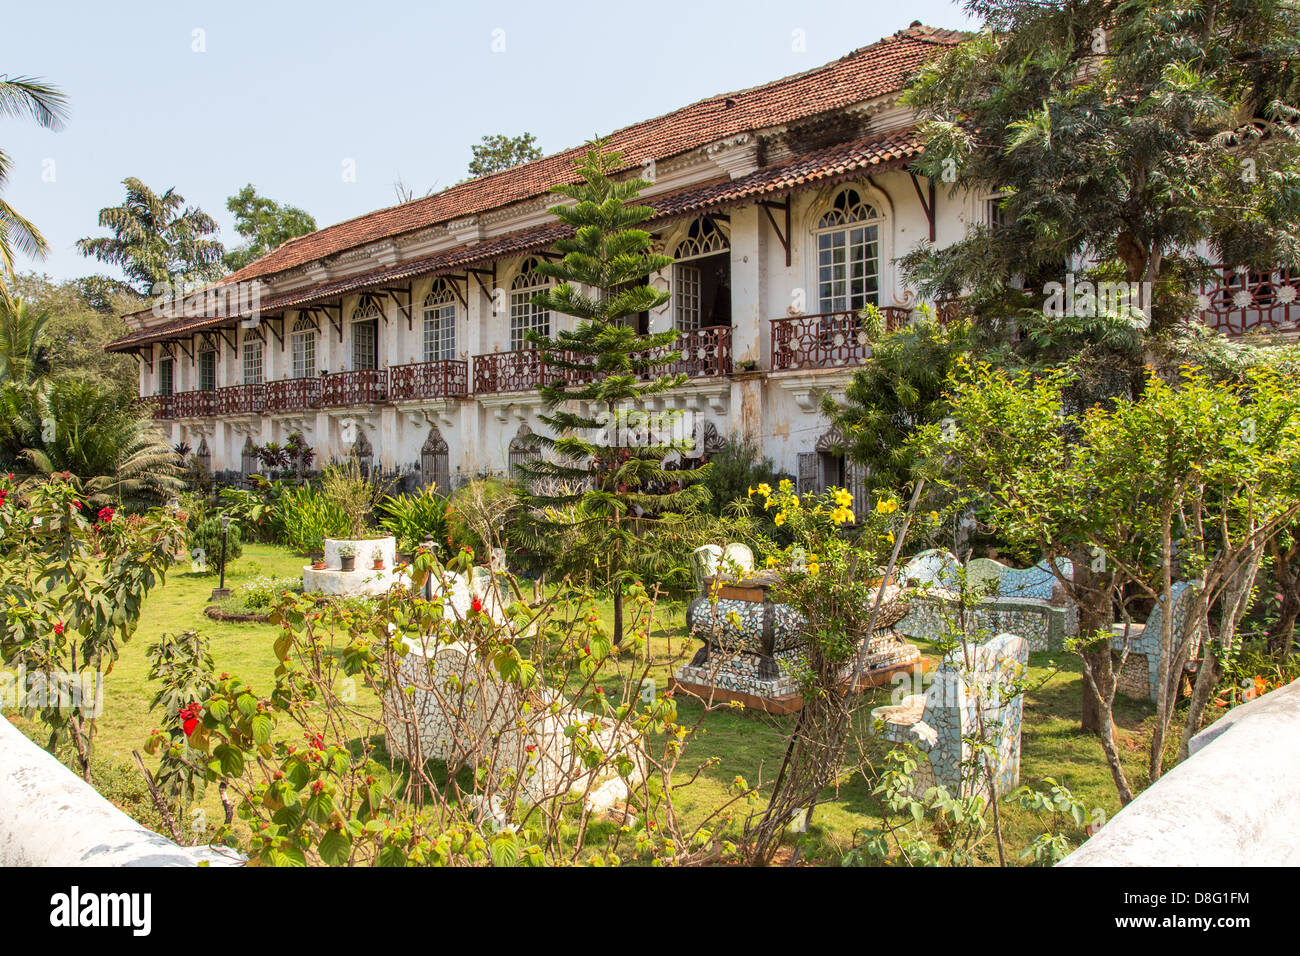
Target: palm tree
x,y
24,359
157,239
48,106
83,427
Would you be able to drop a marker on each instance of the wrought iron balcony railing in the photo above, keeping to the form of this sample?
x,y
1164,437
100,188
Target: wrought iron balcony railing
x,y
363,386
292,394
828,339
442,379
200,403
519,371
241,399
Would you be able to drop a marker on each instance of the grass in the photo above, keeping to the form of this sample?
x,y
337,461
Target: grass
x,y
745,744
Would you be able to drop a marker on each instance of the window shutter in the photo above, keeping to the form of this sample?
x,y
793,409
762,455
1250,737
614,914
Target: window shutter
x,y
807,479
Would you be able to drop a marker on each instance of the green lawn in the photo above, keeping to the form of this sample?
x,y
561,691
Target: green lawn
x,y
747,744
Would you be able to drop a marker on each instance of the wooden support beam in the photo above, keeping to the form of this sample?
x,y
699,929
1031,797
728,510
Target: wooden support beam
x,y
784,237
926,206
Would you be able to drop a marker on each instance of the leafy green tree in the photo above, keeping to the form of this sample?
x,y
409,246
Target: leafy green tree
x,y
497,152
1128,134
606,461
265,224
1189,481
82,316
896,390
48,107
157,240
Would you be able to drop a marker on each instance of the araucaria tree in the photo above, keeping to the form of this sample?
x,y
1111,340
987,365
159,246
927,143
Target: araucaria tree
x,y
601,472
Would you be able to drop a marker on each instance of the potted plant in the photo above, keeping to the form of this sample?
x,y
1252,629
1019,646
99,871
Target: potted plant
x,y
348,556
317,552
377,556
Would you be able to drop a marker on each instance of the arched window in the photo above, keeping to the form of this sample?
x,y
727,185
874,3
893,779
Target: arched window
x,y
252,358
848,254
522,449
303,347
524,315
440,323
435,468
363,452
248,460
826,466
702,278
365,333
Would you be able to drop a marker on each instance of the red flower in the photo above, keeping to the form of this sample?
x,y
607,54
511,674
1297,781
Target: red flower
x,y
477,605
58,627
105,515
190,718
317,742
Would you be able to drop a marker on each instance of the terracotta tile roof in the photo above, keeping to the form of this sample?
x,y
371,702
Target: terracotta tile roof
x,y
825,165
864,74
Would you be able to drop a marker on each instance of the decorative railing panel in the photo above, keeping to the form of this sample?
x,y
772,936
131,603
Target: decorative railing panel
x,y
362,386
704,352
444,379
241,399
520,371
159,405
1238,300
201,403
292,394
828,339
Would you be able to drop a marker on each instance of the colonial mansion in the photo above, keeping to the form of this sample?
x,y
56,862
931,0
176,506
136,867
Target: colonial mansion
x,y
400,336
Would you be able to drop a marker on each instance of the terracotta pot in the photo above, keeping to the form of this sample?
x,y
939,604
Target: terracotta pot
x,y
318,565
378,566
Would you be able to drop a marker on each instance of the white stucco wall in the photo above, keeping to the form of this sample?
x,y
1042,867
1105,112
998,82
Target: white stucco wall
x,y
51,817
1231,803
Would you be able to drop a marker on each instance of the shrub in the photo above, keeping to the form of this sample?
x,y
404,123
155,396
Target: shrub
x,y
305,518
417,517
353,492
207,538
737,467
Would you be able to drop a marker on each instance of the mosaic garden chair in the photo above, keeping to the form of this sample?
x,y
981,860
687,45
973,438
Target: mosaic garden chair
x,y
1141,674
704,563
940,721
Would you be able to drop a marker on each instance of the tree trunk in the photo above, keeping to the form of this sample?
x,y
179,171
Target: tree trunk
x,y
1282,634
618,613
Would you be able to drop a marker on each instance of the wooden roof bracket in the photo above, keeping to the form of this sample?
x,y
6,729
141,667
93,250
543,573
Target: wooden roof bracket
x,y
279,335
479,273
405,310
188,351
451,280
784,237
926,206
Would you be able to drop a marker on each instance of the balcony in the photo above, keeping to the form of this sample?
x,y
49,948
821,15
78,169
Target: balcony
x,y
705,353
292,394
524,370
1236,301
241,399
828,339
363,386
200,403
443,379
160,406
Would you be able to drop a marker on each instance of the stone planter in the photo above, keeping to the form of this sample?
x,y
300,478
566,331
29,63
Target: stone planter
x,y
343,581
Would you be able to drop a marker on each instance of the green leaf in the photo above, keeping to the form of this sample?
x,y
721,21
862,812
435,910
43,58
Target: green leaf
x,y
335,847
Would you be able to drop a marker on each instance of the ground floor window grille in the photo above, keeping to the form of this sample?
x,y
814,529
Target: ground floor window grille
x,y
435,465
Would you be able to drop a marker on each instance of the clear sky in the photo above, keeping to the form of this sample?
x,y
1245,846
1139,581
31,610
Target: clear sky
x,y
209,96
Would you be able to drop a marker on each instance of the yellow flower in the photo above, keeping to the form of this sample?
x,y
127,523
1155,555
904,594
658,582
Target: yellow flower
x,y
889,536
785,484
751,491
934,516
886,506
843,498
814,568
765,489
771,562
780,518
